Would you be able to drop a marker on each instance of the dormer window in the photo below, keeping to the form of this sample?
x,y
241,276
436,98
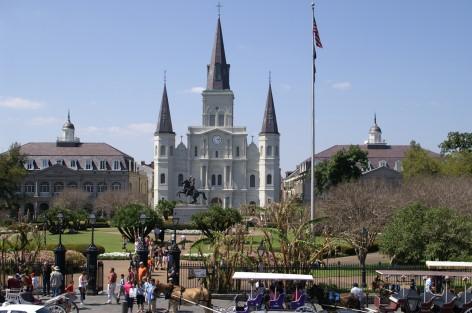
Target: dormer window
x,y
116,165
44,163
30,164
383,163
88,165
59,162
73,163
103,165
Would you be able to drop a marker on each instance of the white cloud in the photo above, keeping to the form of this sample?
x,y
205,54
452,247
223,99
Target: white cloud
x,y
19,103
130,129
44,120
342,86
196,89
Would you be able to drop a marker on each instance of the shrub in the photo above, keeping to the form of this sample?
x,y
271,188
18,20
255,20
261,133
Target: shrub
x,y
80,247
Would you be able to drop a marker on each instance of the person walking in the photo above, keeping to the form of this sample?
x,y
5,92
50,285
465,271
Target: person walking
x,y
83,281
140,297
112,286
130,293
56,279
46,274
150,296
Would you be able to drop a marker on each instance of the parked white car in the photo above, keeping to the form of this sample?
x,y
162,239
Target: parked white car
x,y
22,308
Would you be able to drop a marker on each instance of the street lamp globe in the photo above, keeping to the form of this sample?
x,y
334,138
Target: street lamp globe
x,y
92,219
60,217
143,218
261,249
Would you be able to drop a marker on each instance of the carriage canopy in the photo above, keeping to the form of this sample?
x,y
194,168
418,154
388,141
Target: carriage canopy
x,y
271,276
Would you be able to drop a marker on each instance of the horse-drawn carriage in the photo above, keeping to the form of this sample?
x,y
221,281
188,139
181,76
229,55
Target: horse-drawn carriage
x,y
63,303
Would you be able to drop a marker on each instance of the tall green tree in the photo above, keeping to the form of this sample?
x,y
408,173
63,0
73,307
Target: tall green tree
x,y
344,166
127,220
216,219
12,172
418,233
456,142
419,162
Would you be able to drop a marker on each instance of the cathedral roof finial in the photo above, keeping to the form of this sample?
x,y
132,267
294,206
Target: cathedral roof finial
x,y
219,6
164,123
375,118
68,115
165,77
269,123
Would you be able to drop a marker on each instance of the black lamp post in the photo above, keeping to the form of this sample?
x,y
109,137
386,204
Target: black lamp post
x,y
60,250
365,238
142,249
174,253
92,253
45,228
260,252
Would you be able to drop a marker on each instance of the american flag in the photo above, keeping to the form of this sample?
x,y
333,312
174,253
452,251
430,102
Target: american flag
x,y
316,34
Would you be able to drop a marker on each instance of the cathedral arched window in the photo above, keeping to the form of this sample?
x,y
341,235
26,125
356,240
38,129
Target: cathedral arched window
x,y
216,154
212,120
163,150
163,179
252,181
213,180
276,150
195,151
237,151
180,180
221,119
220,180
269,180
269,151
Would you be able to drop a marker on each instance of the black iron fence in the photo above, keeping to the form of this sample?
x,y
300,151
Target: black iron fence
x,y
335,276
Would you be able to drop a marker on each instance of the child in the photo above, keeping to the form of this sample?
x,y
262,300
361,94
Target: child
x,y
122,287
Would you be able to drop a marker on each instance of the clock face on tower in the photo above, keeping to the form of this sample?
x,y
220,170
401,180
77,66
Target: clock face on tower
x,y
216,140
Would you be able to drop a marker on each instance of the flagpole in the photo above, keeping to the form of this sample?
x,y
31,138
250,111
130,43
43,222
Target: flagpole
x,y
312,200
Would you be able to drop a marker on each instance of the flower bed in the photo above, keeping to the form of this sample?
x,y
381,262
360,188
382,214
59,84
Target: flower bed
x,y
114,256
184,231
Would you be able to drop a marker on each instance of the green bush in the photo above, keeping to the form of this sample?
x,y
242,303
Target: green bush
x,y
80,247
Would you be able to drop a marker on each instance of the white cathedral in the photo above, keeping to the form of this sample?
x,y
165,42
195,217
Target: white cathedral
x,y
225,167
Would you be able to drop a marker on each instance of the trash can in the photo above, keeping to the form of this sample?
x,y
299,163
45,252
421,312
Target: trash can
x,y
124,307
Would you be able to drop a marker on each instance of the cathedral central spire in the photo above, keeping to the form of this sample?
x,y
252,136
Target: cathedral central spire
x,y
269,123
218,69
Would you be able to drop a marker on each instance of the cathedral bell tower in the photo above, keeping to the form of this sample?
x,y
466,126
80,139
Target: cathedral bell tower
x,y
164,146
269,160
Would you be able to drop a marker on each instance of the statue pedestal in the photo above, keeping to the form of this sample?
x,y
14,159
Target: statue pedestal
x,y
185,211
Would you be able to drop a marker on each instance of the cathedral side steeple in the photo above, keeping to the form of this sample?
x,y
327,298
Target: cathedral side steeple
x,y
269,123
164,123
218,69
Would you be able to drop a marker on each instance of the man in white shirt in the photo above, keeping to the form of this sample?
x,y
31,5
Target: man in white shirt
x,y
358,293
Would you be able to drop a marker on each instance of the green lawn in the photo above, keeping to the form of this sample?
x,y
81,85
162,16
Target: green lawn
x,y
109,238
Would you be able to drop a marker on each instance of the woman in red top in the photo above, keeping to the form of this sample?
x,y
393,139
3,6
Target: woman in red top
x,y
129,298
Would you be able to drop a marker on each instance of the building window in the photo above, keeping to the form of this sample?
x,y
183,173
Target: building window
x,y
72,185
180,180
59,162
212,119
276,150
216,154
237,151
213,180
171,150
30,164
195,151
269,151
58,187
103,165
383,163
116,165
101,187
252,181
269,180
221,119
163,151
29,187
220,180
115,186
44,163
398,166
155,150
88,164
73,163
44,187
163,179
88,187
262,149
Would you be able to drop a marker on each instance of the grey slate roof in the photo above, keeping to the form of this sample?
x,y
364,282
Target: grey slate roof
x,y
218,69
269,123
83,149
164,123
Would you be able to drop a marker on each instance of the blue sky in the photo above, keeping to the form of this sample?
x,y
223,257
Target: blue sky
x,y
408,61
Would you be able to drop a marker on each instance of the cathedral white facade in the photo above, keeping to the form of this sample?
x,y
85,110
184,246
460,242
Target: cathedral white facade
x,y
228,169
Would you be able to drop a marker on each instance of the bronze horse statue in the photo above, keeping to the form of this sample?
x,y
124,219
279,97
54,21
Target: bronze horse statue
x,y
185,296
189,190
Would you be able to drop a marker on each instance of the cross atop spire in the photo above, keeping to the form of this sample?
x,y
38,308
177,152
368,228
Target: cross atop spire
x,y
219,6
164,123
165,77
269,123
218,69
375,118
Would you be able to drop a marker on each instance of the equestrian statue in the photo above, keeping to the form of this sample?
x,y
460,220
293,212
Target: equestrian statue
x,y
189,190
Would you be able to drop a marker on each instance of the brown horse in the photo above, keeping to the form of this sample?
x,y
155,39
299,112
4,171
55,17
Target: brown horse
x,y
180,295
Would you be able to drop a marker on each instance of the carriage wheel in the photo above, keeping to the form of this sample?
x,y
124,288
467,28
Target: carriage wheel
x,y
73,308
305,308
55,308
469,310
